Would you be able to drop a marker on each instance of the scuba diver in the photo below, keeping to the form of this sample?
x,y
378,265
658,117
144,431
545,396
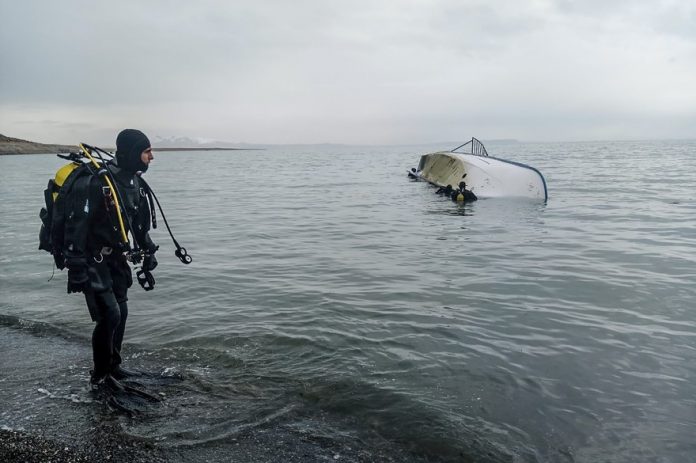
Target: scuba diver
x,y
89,236
461,194
91,207
468,194
95,254
444,190
413,173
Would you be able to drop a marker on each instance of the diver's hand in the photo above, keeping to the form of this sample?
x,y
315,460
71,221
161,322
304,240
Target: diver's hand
x,y
77,279
149,262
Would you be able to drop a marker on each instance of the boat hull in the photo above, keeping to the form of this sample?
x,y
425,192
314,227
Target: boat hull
x,y
486,176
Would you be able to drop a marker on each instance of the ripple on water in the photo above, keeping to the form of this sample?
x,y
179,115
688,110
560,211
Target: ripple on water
x,y
500,329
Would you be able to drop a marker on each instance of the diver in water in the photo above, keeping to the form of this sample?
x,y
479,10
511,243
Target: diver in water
x,y
461,194
95,254
444,190
413,173
468,194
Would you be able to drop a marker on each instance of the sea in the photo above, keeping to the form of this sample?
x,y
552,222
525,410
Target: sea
x,y
333,301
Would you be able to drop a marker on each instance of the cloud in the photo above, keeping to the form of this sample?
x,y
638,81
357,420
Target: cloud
x,y
352,72
669,17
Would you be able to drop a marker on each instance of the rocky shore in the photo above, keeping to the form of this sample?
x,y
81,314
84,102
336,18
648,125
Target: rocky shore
x,y
29,448
47,413
9,145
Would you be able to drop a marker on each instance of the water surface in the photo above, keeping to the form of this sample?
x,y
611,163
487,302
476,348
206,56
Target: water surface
x,y
324,280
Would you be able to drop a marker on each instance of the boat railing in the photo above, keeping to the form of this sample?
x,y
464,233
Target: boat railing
x,y
475,147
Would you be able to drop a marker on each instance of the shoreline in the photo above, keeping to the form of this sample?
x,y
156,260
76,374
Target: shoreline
x,y
16,146
62,150
47,412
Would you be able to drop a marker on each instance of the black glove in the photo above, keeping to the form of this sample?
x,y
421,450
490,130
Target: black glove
x,y
149,262
78,280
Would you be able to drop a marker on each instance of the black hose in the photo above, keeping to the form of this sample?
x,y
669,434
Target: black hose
x,y
180,252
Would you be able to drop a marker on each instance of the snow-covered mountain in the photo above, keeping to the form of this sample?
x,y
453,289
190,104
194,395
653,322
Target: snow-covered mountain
x,y
187,142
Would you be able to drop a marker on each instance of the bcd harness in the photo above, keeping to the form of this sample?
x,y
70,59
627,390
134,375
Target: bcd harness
x,y
53,221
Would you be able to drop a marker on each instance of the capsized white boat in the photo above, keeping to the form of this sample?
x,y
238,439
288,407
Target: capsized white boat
x,y
486,176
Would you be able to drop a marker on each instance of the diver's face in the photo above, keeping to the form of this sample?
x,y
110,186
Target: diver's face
x,y
146,156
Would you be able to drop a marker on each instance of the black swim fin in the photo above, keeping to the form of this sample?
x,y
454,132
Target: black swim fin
x,y
121,397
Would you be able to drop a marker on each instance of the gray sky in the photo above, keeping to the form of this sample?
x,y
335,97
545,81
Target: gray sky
x,y
372,71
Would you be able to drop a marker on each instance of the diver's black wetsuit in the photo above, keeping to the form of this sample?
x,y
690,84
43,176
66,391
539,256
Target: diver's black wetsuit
x,y
467,194
444,190
93,250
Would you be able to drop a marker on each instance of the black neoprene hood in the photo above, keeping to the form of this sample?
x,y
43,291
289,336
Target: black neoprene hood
x,y
130,144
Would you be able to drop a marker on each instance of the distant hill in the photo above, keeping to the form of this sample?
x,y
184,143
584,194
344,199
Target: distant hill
x,y
199,144
9,145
